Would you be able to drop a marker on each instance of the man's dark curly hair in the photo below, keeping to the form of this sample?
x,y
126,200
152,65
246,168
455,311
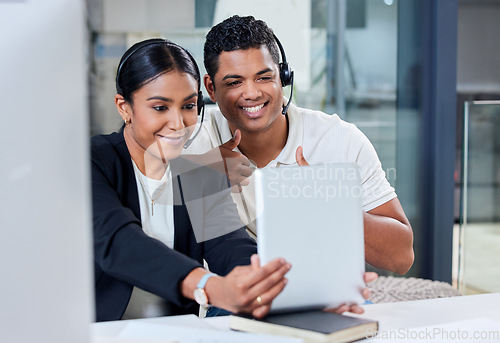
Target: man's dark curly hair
x,y
237,33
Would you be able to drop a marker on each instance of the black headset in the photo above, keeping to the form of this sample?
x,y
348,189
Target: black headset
x,y
286,74
200,102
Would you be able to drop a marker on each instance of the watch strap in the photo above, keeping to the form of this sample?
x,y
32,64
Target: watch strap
x,y
203,281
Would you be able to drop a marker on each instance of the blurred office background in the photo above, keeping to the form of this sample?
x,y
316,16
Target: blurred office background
x,y
418,77
401,70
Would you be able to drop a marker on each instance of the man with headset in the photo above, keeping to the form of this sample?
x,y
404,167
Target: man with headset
x,y
255,127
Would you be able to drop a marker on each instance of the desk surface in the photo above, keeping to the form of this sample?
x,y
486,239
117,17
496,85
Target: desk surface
x,y
410,314
391,316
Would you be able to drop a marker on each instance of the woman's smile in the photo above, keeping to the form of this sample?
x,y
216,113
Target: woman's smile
x,y
173,139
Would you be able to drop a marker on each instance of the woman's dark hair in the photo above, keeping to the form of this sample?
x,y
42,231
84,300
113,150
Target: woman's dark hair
x,y
237,33
145,61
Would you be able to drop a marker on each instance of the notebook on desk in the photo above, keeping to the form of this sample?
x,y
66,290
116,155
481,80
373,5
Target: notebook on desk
x,y
312,217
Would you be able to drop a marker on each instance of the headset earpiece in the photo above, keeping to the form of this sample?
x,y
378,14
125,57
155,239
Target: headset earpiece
x,y
286,74
200,103
201,109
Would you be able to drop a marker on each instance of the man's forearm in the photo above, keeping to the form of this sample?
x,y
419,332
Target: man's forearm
x,y
388,242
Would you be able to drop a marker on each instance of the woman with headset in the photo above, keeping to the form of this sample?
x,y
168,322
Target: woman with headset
x,y
156,217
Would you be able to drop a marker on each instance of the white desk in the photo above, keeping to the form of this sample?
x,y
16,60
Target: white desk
x,y
391,316
410,314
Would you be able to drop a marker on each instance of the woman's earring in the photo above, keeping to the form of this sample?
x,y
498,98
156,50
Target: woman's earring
x,y
128,121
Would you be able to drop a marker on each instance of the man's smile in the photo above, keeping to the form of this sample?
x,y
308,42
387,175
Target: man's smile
x,y
254,111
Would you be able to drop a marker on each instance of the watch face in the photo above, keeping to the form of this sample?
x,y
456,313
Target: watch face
x,y
200,297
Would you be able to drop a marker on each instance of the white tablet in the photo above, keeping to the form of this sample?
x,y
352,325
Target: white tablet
x,y
312,217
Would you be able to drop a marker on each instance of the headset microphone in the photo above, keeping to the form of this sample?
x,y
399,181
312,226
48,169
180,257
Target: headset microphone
x,y
285,109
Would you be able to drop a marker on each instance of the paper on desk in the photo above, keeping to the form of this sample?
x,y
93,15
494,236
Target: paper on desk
x,y
130,340
477,330
113,328
142,331
187,320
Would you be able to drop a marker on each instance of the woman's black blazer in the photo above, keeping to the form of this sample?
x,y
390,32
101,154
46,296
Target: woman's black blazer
x,y
125,256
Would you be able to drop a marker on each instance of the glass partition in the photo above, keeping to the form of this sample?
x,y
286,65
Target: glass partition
x,y
479,241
